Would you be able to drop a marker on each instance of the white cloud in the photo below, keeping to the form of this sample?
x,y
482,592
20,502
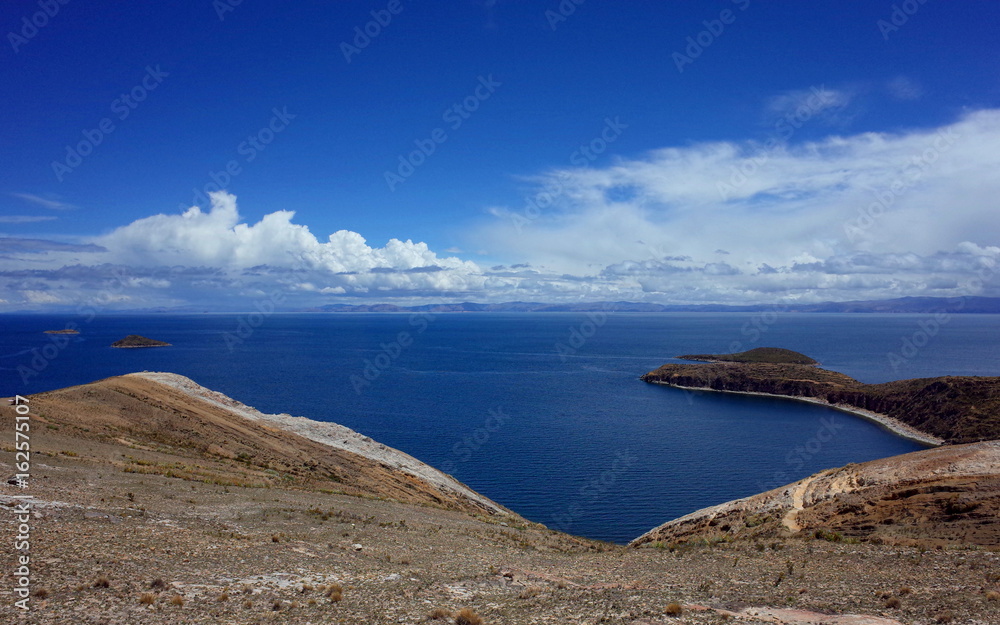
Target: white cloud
x,y
342,263
813,101
904,88
45,202
862,216
24,219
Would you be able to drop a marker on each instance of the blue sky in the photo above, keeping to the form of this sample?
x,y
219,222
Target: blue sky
x,y
732,151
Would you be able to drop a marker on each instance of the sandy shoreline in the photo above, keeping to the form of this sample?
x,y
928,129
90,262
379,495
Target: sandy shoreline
x,y
893,425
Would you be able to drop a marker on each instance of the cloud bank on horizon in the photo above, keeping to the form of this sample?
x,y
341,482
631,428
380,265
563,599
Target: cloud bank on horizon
x,y
863,216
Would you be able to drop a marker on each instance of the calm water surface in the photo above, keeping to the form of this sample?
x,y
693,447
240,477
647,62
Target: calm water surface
x,y
542,412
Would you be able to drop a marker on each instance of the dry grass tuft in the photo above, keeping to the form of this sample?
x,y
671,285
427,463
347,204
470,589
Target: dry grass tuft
x,y
945,617
893,603
102,582
42,593
223,597
177,600
992,595
466,616
147,598
334,592
158,584
673,609
439,614
905,590
529,592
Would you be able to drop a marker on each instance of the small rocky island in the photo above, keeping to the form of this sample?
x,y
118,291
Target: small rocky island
x,y
950,409
776,355
66,331
134,340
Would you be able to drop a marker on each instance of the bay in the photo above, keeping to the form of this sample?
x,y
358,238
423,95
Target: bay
x,y
542,412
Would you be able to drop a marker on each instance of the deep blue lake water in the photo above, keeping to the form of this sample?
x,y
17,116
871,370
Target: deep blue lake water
x,y
543,412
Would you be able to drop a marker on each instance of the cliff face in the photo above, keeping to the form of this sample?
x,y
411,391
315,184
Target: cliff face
x,y
956,409
947,495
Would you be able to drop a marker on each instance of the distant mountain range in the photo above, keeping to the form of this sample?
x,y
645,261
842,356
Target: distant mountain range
x,y
899,305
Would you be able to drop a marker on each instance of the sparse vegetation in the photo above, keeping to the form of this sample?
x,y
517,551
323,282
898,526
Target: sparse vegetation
x,y
177,600
673,609
102,582
529,592
893,603
466,616
438,614
776,355
334,592
147,598
992,595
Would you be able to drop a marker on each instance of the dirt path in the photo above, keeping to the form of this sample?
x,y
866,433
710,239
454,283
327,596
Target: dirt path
x,y
838,484
798,503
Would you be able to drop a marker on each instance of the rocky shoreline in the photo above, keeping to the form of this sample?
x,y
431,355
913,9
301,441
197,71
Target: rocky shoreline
x,y
893,425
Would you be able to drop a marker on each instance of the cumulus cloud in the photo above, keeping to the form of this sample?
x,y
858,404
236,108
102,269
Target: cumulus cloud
x,y
862,216
859,216
343,263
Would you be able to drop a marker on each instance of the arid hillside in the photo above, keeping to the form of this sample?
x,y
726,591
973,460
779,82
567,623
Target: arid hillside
x,y
157,501
946,496
154,423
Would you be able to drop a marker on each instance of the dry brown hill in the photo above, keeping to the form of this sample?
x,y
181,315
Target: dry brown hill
x,y
169,425
944,496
